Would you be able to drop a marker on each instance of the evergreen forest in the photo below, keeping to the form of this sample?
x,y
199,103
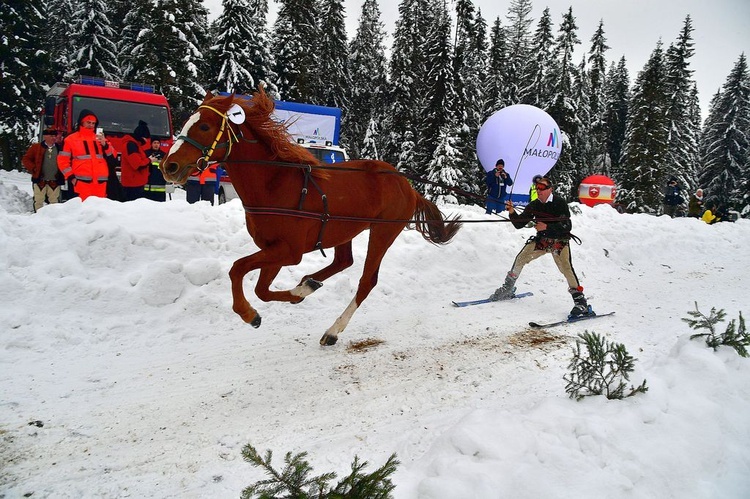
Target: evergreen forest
x,y
416,102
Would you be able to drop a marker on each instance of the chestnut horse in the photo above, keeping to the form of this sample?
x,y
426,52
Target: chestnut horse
x,y
295,205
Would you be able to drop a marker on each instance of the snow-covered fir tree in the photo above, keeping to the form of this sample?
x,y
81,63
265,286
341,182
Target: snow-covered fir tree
x,y
333,51
438,91
294,43
725,145
443,173
495,92
541,65
617,91
93,39
642,175
407,80
137,55
239,58
563,107
180,39
518,49
683,129
597,74
366,103
24,72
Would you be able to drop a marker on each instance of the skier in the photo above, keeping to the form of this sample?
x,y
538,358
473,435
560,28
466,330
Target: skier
x,y
552,217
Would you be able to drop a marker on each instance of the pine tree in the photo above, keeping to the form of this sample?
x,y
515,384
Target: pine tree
x,y
563,108
180,39
61,53
94,40
137,38
644,151
725,147
470,73
597,100
366,103
537,89
241,67
617,91
24,75
496,92
518,36
439,93
444,171
294,45
333,49
683,130
407,75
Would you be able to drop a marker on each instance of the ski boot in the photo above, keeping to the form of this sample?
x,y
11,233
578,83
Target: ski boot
x,y
581,307
507,290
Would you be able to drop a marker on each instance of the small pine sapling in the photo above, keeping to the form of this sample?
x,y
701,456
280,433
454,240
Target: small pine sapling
x,y
294,480
735,336
602,370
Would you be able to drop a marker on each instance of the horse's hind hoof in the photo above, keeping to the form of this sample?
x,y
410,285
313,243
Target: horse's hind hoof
x,y
256,321
313,284
327,340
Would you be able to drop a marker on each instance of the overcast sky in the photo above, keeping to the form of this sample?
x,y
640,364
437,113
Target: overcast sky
x,y
632,28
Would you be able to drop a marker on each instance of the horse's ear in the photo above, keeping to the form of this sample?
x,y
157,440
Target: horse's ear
x,y
208,97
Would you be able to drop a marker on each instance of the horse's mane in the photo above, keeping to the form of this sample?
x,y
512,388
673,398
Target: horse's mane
x,y
273,134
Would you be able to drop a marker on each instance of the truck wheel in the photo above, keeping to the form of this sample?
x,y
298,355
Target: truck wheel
x,y
222,196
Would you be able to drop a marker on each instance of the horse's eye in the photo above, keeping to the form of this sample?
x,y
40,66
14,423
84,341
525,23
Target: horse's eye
x,y
204,127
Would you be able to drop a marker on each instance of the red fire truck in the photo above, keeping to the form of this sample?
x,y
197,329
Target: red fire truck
x,y
118,105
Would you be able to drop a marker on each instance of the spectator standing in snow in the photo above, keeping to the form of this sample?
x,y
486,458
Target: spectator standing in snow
x,y
41,162
695,205
82,159
553,225
672,197
134,163
156,189
497,180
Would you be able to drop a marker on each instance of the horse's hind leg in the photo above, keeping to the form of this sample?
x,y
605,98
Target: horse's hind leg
x,y
342,259
381,238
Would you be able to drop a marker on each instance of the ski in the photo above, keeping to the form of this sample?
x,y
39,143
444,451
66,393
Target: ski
x,y
487,300
570,320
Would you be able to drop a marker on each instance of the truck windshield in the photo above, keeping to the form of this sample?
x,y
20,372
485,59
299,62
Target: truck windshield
x,y
327,155
122,117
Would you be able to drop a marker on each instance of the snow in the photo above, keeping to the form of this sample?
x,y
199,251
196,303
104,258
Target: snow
x,y
125,373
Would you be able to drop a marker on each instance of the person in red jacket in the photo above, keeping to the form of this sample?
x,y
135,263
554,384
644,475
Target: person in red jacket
x,y
41,161
82,159
135,164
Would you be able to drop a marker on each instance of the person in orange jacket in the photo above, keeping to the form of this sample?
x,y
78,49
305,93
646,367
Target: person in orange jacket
x,y
41,162
134,163
82,160
201,187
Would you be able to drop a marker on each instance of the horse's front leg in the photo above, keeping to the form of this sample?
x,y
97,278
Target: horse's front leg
x,y
270,262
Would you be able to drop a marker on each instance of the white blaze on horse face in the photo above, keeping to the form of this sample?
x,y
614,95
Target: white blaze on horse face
x,y
185,129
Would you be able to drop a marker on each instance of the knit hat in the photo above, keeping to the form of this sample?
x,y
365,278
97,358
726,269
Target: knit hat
x,y
86,115
500,162
142,132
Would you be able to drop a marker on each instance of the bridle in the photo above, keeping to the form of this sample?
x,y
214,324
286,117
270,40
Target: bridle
x,y
208,151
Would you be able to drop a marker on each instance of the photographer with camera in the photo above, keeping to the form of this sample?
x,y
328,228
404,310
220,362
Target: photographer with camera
x,y
672,197
497,180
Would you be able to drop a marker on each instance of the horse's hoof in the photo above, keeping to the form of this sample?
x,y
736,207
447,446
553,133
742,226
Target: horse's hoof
x,y
327,340
256,321
313,284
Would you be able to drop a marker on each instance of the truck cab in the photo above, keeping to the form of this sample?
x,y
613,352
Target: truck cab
x,y
119,106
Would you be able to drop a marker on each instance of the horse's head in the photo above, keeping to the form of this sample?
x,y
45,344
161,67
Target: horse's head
x,y
208,135
221,122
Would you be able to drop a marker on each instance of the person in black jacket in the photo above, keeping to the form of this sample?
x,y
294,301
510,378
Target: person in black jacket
x,y
552,218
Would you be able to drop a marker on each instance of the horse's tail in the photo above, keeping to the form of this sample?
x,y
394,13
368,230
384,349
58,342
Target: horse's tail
x,y
430,223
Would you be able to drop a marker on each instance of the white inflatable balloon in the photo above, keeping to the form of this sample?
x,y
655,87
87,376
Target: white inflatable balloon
x,y
526,138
